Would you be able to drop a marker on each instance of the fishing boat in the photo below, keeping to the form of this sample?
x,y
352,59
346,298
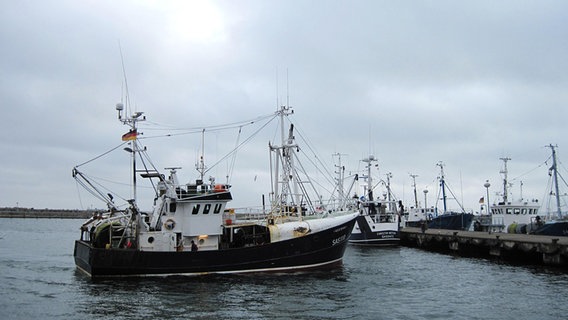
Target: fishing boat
x,y
448,219
555,222
417,216
510,216
191,231
378,220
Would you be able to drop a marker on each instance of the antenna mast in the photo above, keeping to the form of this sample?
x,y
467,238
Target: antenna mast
x,y
340,176
413,176
201,165
284,157
505,182
442,184
369,162
131,136
554,169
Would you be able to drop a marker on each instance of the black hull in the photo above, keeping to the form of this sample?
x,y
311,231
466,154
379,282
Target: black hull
x,y
317,250
375,235
457,221
557,228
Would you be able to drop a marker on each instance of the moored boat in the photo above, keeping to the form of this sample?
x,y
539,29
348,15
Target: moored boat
x,y
191,231
511,216
416,216
435,219
378,221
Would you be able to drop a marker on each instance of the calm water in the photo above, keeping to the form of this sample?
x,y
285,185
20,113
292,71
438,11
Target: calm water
x,y
38,279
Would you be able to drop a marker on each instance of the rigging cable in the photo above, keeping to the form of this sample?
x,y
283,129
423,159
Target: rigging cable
x,y
240,145
101,155
530,171
195,130
234,158
143,155
79,194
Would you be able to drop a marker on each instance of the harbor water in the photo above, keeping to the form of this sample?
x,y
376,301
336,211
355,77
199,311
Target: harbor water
x,y
38,279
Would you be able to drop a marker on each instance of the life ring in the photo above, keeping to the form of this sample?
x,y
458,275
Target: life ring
x,y
170,224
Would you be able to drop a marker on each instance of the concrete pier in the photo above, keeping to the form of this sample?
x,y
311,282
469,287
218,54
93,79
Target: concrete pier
x,y
514,248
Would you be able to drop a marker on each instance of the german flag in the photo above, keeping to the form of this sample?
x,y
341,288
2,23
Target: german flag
x,y
130,135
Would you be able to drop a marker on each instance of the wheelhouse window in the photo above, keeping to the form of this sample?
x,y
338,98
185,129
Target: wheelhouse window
x,y
207,208
195,209
217,208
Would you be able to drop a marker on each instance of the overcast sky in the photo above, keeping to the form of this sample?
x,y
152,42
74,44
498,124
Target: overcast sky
x,y
411,82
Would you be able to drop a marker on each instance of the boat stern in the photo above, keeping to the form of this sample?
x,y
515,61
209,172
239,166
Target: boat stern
x,y
82,255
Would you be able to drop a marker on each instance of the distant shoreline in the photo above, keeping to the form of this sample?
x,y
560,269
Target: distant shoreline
x,y
45,213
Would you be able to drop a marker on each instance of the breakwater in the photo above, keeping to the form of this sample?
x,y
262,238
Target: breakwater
x,y
514,248
45,213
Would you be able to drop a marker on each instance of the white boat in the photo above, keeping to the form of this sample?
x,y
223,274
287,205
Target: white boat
x,y
378,223
511,216
190,230
417,216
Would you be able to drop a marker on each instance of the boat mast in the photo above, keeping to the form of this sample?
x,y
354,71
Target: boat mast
x,y
369,160
370,199
413,176
289,165
340,176
389,199
555,177
505,182
442,184
131,121
201,165
284,152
